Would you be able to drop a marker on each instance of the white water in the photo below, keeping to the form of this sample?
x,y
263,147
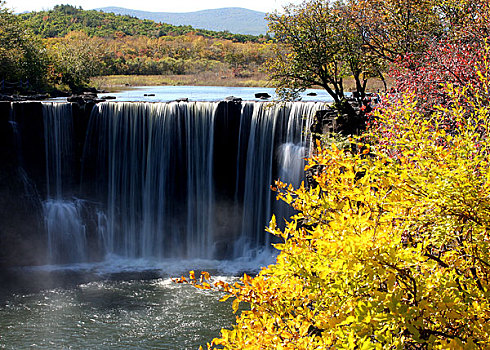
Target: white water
x,y
66,232
155,179
65,228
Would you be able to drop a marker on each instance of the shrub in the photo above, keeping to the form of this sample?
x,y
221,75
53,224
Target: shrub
x,y
390,250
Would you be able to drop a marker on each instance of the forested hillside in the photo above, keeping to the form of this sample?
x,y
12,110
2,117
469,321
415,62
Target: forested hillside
x,y
63,19
66,46
231,19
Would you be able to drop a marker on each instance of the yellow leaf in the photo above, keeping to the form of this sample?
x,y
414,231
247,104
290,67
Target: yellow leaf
x,y
235,305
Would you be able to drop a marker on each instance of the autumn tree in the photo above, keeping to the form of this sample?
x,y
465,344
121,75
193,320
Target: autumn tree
x,y
390,249
392,29
76,58
452,57
317,44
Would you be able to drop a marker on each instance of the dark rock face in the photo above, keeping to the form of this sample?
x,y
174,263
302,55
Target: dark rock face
x,y
23,179
20,204
351,120
227,128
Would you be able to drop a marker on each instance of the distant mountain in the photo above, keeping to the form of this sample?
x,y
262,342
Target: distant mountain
x,y
233,19
63,19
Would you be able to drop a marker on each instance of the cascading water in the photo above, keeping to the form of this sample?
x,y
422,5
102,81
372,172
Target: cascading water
x,y
65,228
271,133
130,194
155,163
66,231
171,180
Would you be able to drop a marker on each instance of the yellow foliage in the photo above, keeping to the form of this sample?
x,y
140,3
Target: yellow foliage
x,y
391,249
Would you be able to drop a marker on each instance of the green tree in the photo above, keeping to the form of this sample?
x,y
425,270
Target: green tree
x,y
21,53
317,44
395,28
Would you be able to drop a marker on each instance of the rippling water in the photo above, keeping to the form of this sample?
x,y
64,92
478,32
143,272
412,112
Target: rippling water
x,y
117,303
136,314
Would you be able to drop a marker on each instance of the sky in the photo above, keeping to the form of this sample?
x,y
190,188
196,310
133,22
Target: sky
x,y
151,5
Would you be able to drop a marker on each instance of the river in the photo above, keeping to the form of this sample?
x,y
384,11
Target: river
x,y
127,194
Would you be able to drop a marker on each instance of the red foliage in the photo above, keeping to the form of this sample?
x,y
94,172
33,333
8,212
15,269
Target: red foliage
x,y
444,62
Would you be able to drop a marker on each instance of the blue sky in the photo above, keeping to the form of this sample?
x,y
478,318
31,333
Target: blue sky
x,y
151,5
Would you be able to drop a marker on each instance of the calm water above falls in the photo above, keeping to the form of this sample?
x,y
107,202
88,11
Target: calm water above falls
x,y
205,93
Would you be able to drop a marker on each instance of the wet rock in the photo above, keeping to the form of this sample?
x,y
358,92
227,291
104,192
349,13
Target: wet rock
x,y
85,98
108,97
10,98
233,99
149,95
36,97
75,99
262,95
182,99
311,94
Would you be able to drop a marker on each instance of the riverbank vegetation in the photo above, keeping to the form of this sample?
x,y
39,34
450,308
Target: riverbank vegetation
x,y
65,47
389,248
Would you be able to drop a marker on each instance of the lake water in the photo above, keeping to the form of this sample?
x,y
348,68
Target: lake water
x,y
204,93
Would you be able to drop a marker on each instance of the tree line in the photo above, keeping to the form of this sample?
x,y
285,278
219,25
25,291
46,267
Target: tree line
x,y
321,43
66,46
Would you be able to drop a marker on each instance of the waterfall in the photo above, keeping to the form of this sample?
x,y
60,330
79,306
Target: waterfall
x,y
156,163
66,231
170,180
275,149
65,228
58,138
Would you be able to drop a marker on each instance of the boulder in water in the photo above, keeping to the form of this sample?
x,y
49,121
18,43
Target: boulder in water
x,y
262,95
233,99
